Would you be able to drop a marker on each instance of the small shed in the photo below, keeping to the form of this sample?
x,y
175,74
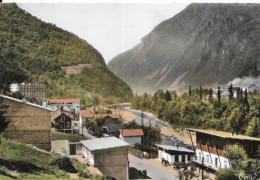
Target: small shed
x,y
132,136
109,155
174,154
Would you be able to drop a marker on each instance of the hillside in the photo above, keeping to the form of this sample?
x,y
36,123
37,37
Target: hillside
x,y
19,161
32,50
205,44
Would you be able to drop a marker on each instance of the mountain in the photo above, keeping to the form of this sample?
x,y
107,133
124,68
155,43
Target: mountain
x,y
205,44
34,51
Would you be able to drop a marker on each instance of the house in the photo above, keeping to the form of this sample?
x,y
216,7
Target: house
x,y
70,105
85,115
109,155
253,89
109,118
224,89
172,154
63,121
112,129
28,123
211,148
131,136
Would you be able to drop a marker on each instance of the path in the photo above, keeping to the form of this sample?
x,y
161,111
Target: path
x,y
153,171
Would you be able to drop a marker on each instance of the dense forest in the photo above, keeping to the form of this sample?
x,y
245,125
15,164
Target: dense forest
x,y
199,109
35,51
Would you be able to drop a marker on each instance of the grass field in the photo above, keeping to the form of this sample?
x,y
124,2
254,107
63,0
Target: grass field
x,y
67,136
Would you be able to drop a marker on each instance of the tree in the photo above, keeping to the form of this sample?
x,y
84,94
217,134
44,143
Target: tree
x,y
168,96
189,90
238,94
246,98
237,157
219,96
254,127
210,94
235,120
230,90
3,122
200,92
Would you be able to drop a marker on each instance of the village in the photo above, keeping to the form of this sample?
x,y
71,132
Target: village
x,y
119,142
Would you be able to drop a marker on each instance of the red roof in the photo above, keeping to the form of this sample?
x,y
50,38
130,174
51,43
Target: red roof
x,y
131,132
101,116
62,101
86,113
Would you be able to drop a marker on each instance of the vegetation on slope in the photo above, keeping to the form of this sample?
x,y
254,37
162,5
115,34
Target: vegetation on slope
x,y
29,163
198,109
32,50
66,136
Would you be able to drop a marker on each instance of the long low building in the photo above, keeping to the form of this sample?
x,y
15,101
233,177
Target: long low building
x,y
109,155
173,154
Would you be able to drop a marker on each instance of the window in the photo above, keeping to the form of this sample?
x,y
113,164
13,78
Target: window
x,y
207,158
68,124
199,156
225,164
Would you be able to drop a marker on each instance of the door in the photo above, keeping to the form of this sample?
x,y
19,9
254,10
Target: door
x,y
72,149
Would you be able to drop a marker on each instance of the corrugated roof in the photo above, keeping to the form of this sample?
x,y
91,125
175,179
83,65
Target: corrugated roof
x,y
131,132
104,143
63,101
87,113
175,148
25,102
223,134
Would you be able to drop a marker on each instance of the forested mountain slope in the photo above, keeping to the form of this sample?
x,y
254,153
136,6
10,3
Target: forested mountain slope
x,y
32,50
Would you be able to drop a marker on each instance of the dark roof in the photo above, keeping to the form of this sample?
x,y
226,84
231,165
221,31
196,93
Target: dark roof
x,y
112,128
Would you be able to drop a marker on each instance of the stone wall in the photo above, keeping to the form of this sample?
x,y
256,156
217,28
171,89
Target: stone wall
x,y
113,162
28,124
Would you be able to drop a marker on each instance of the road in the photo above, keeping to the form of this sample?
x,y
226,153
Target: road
x,y
147,119
153,171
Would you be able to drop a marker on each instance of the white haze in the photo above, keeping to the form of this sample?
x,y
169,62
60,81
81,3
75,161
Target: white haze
x,y
246,80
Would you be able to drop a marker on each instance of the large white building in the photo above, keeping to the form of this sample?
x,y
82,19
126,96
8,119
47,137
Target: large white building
x,y
70,105
211,148
14,87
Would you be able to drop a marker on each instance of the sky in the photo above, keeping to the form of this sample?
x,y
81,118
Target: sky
x,y
110,26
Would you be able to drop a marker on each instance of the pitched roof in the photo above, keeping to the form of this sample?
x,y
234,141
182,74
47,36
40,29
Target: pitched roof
x,y
103,143
225,135
131,132
87,113
25,102
59,113
62,101
112,128
102,116
174,148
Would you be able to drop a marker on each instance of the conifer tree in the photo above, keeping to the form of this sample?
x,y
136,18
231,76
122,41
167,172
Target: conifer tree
x,y
200,92
238,94
190,90
168,96
210,94
230,89
219,96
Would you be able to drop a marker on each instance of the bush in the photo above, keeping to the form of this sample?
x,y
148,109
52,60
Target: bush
x,y
224,174
64,164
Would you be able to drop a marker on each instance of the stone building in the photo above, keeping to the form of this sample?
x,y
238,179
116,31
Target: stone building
x,y
28,123
34,90
109,155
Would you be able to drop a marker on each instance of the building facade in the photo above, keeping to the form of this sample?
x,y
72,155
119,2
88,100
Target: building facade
x,y
211,148
63,121
33,90
28,123
173,154
70,105
109,155
131,136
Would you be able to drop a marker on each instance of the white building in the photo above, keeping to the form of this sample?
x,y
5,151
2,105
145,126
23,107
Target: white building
x,y
131,136
70,105
211,147
173,154
14,87
224,89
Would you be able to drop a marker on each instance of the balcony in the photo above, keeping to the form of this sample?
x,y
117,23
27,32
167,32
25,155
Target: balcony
x,y
205,164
